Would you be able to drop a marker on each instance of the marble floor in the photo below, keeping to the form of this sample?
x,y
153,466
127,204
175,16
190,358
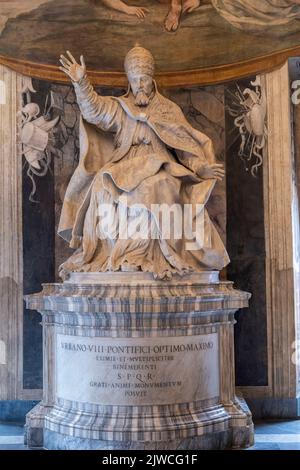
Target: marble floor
x,y
269,435
277,435
12,436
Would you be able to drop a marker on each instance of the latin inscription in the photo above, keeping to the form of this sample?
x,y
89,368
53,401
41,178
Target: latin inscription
x,y
137,371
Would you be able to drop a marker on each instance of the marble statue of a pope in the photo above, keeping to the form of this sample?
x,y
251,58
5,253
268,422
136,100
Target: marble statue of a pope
x,y
138,152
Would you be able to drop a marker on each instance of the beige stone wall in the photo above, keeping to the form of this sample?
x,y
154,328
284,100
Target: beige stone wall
x,y
11,269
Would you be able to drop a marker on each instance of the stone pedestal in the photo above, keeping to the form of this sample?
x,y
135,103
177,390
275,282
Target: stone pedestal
x,y
135,363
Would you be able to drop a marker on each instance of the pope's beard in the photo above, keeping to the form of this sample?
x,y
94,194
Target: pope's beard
x,y
141,98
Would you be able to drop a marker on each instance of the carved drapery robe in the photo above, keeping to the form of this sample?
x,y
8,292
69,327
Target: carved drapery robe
x,y
126,160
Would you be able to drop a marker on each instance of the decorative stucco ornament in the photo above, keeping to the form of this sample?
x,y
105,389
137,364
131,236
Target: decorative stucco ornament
x,y
36,137
250,109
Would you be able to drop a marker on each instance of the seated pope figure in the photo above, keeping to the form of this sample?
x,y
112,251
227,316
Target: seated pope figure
x,y
137,152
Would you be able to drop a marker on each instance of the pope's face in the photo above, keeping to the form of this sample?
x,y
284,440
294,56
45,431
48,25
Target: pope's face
x,y
140,83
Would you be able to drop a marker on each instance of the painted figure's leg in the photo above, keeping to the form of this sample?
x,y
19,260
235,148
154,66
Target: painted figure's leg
x,y
190,5
173,16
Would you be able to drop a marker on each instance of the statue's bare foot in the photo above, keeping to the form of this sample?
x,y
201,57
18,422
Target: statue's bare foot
x,y
63,273
129,268
164,276
190,5
172,19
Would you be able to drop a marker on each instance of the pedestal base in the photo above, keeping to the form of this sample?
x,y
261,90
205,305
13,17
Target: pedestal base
x,y
34,426
219,434
231,437
134,363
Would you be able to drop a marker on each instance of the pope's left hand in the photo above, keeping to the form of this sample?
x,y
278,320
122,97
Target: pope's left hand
x,y
213,171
